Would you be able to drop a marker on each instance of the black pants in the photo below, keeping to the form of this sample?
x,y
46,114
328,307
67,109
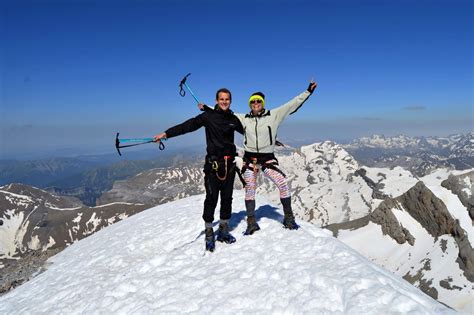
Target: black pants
x,y
214,186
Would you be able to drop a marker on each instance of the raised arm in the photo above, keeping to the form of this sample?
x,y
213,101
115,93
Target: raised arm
x,y
293,105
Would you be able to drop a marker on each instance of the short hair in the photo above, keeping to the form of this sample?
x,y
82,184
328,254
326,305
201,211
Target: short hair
x,y
223,90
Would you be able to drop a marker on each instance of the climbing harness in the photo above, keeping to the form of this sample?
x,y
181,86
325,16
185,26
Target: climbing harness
x,y
215,167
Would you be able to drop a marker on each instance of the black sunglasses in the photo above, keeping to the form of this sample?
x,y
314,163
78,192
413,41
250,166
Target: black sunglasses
x,y
258,101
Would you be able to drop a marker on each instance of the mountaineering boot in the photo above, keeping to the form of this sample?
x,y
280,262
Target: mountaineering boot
x,y
289,219
223,234
210,241
289,222
252,225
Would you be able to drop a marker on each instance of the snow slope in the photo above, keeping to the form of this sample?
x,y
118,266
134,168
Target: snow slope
x,y
431,261
452,202
155,262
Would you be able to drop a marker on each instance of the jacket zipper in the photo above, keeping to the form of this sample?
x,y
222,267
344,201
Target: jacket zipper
x,y
245,135
270,132
256,134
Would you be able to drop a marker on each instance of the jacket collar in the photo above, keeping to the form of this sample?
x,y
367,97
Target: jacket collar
x,y
219,110
263,113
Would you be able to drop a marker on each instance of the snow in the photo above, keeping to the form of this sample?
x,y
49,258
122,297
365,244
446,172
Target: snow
x,y
467,182
116,203
34,243
53,207
114,219
78,218
386,252
51,242
10,232
92,224
452,202
395,181
154,262
20,200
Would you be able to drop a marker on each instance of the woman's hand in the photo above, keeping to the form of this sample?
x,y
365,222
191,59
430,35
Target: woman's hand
x,y
312,86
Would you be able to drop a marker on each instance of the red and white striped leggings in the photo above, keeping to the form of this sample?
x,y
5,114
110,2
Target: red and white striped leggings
x,y
250,177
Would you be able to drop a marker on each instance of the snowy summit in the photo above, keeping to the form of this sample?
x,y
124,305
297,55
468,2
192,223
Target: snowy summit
x,y
155,262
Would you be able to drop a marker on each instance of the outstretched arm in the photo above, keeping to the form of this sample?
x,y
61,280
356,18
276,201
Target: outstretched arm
x,y
189,125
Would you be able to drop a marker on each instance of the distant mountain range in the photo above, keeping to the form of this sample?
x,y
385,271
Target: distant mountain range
x,y
420,155
87,177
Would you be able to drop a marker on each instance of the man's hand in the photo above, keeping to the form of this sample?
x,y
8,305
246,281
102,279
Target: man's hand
x,y
160,136
201,106
312,86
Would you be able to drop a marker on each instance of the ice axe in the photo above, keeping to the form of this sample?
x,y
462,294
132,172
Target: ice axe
x,y
182,92
138,141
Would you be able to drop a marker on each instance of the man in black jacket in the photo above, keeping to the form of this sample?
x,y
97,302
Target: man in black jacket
x,y
219,167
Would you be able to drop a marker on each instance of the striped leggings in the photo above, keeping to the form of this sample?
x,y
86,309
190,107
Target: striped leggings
x,y
250,177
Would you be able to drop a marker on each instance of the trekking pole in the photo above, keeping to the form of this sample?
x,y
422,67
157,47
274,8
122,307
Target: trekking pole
x,y
139,141
182,92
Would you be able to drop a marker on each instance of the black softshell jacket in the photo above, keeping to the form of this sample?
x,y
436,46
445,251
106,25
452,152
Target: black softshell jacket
x,y
220,127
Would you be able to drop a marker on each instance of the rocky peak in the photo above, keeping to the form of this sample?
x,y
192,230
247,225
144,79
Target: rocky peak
x,y
328,154
428,210
462,186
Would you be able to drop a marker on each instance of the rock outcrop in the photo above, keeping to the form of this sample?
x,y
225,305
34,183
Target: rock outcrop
x,y
431,213
462,186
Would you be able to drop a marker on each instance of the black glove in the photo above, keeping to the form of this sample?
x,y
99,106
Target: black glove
x,y
311,87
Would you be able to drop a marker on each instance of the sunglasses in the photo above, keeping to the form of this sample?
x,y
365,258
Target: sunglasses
x,y
258,101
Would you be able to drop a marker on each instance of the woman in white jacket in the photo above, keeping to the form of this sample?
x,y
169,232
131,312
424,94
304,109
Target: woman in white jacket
x,y
260,130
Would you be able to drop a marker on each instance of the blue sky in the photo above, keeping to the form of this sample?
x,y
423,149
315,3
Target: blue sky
x,y
75,72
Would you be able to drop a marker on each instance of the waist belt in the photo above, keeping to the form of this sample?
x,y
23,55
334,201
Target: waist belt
x,y
251,163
